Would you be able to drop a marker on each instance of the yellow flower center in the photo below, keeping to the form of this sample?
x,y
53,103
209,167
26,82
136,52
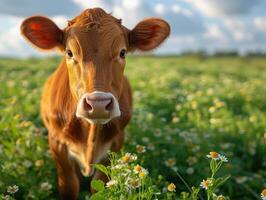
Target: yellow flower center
x,y
125,158
221,198
194,104
137,168
17,116
263,193
214,154
170,162
140,149
134,183
171,187
206,183
142,174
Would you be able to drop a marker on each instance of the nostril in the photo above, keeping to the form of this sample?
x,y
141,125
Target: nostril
x,y
109,106
87,105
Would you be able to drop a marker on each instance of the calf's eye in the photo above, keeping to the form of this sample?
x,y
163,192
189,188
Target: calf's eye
x,y
69,54
123,53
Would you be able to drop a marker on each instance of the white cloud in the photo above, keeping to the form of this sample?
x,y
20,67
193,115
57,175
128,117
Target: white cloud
x,y
38,7
130,15
239,30
220,8
84,4
242,35
177,44
131,5
60,20
181,20
260,24
118,12
11,41
214,32
159,9
183,39
178,9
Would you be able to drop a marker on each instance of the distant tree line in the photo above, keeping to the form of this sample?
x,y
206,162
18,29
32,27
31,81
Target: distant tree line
x,y
224,53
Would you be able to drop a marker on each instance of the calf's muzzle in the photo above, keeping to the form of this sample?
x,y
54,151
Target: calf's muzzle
x,y
98,107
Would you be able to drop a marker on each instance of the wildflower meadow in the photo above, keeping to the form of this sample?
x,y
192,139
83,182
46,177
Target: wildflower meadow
x,y
198,132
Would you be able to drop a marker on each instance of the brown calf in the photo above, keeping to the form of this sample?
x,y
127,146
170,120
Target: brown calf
x,y
86,102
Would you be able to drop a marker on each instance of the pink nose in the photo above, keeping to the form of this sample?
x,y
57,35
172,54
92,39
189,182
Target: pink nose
x,y
98,106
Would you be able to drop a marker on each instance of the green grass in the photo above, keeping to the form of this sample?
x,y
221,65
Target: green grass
x,y
183,108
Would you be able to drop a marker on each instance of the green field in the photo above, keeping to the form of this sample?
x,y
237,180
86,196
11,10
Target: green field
x,y
184,108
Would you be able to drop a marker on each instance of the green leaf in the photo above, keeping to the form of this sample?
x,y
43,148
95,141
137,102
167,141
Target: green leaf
x,y
220,181
213,166
97,185
184,195
194,194
101,168
97,196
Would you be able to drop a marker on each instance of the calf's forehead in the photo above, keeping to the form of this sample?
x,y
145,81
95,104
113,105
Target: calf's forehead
x,y
97,38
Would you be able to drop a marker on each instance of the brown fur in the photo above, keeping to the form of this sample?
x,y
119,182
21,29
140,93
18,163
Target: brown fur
x,y
96,39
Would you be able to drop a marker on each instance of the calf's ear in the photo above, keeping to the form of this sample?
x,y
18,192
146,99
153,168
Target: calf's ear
x,y
42,32
148,34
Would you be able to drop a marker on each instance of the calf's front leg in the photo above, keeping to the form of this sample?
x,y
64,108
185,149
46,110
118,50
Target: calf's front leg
x,y
68,181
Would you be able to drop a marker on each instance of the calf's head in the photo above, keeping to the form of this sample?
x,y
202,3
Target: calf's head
x,y
95,46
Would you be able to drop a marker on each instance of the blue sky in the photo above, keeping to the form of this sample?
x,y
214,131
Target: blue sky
x,y
196,24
